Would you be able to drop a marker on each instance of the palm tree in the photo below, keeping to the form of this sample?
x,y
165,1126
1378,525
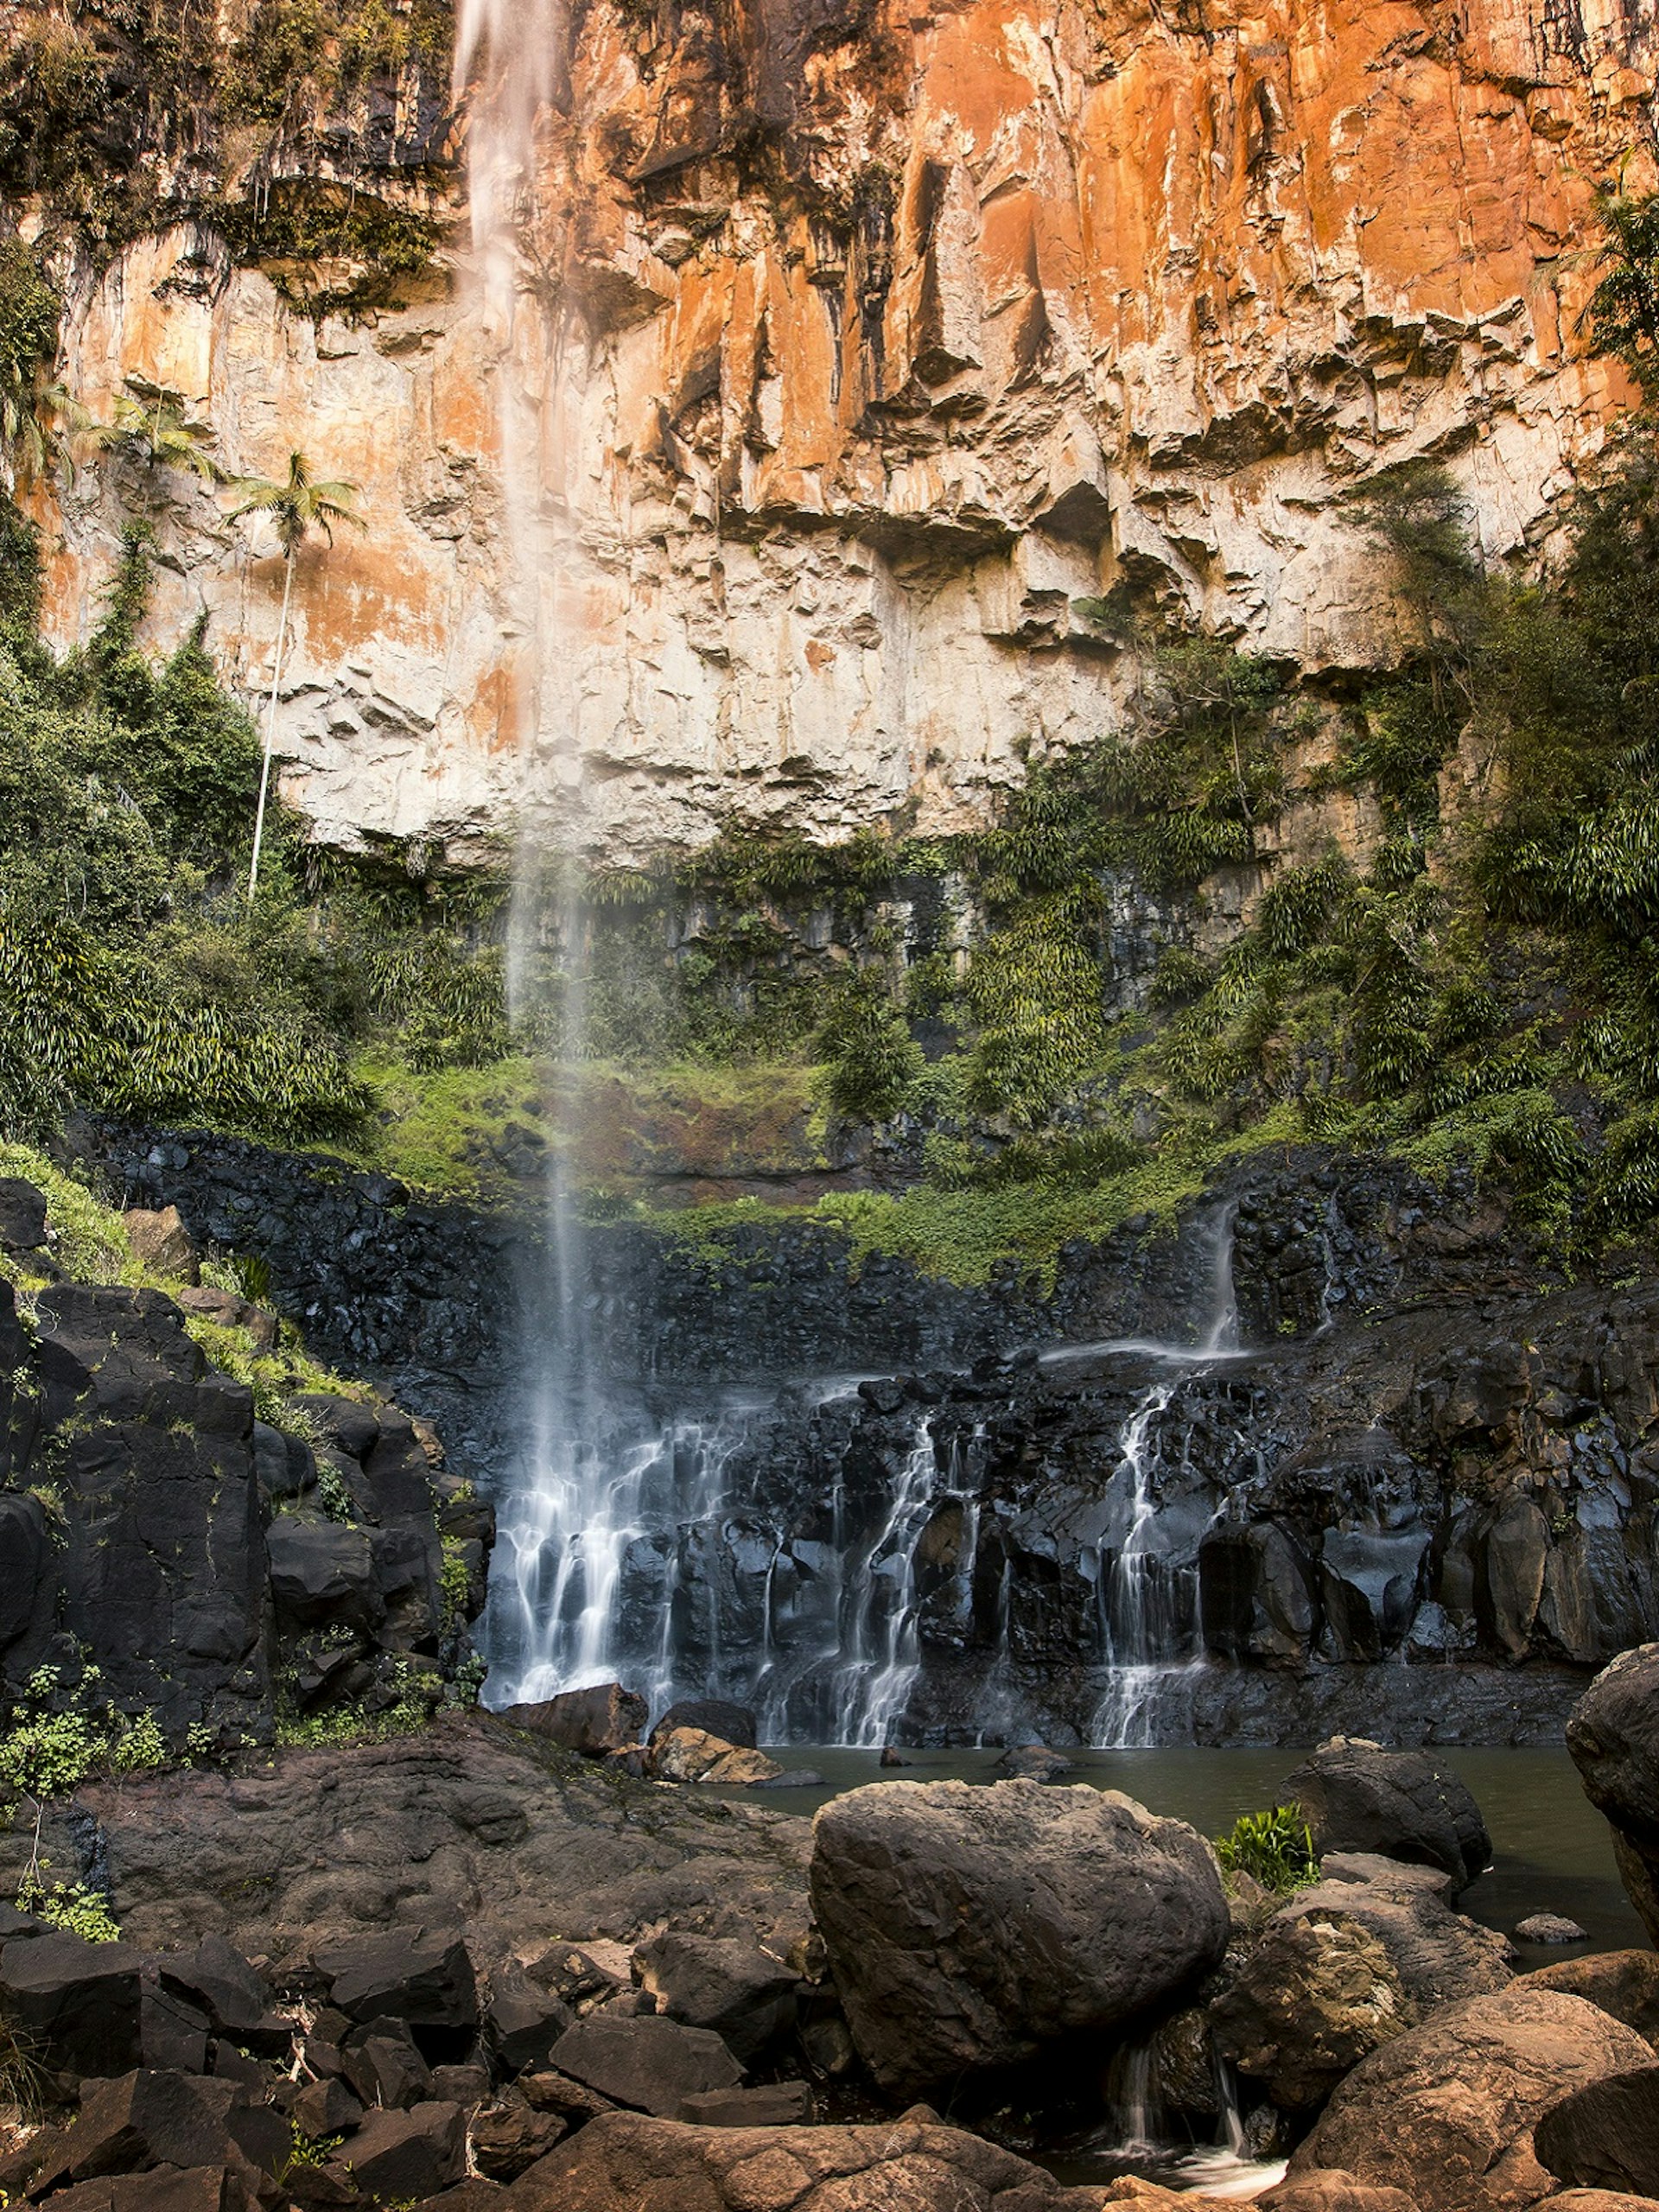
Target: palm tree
x,y
159,435
297,504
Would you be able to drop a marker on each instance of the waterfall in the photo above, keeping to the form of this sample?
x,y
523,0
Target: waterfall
x,y
1148,1603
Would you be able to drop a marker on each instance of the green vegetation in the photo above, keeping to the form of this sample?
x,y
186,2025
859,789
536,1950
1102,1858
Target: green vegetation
x,y
126,121
62,1735
132,979
1273,1848
295,505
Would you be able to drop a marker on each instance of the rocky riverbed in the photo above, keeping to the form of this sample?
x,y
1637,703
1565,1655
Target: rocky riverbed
x,y
472,1967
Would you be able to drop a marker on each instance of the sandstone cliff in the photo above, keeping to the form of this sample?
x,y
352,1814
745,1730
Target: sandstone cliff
x,y
862,342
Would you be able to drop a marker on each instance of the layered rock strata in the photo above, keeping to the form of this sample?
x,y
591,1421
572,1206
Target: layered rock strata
x,y
877,364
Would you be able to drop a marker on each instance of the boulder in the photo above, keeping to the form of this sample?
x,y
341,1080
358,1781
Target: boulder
x,y
1613,1735
143,2118
163,2189
1623,1983
522,2022
1404,1805
1549,1927
1445,2111
1605,2135
227,1311
970,1927
712,1716
623,2162
160,1242
748,1998
326,2107
79,2004
346,1424
606,1718
1316,1994
1033,1763
691,1755
385,2065
321,1571
507,2138
397,2156
1597,2200
1439,1955
173,2036
647,2062
216,1978
426,1980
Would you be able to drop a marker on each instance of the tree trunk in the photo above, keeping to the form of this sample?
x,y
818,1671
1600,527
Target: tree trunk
x,y
270,728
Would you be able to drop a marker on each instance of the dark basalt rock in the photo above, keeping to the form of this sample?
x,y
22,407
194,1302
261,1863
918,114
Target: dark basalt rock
x,y
648,2063
426,1980
971,1928
1403,1805
78,2005
748,1998
398,2155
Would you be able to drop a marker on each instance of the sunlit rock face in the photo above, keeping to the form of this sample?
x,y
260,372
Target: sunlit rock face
x,y
862,343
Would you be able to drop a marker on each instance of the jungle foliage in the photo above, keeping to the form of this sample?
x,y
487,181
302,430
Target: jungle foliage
x,y
131,979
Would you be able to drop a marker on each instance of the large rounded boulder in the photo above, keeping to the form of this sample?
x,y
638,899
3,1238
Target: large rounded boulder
x,y
1403,1805
1445,2113
1613,1735
968,1928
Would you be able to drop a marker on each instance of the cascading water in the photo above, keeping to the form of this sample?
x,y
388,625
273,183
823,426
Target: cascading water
x,y
1148,1604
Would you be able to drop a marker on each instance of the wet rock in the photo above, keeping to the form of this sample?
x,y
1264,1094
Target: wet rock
x,y
397,2156
1613,1735
713,1716
1623,1983
1445,2112
1549,1927
967,1927
1605,2135
79,2004
748,1998
891,1758
1033,1763
606,1718
1403,1805
622,2162
426,1980
1316,1994
649,2063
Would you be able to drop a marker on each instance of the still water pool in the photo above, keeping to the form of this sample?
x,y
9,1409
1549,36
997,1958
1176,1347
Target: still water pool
x,y
1551,1850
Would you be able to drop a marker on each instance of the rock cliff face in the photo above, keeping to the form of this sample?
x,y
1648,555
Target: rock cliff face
x,y
856,345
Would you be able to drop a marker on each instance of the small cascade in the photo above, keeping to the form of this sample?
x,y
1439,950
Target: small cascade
x,y
880,1642
1147,1601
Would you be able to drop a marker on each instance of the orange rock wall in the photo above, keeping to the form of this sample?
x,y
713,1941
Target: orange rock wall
x,y
860,341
